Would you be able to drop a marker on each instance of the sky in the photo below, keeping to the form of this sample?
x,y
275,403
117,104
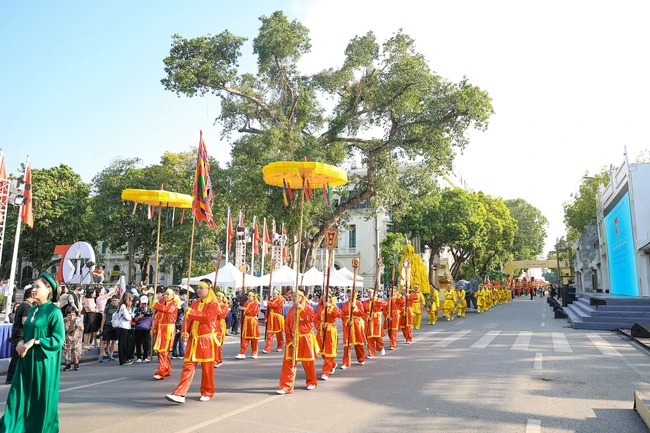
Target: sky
x,y
80,81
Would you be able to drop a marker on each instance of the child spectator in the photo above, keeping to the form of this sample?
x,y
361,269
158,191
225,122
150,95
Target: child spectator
x,y
73,338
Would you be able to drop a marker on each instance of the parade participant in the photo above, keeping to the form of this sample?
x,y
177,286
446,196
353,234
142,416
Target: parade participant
x,y
274,321
391,324
375,332
480,299
250,330
461,304
405,318
164,326
354,331
416,301
222,314
33,401
305,345
448,306
199,332
72,346
328,336
432,304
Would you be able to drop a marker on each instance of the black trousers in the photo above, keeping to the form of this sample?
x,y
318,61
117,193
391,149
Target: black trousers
x,y
142,343
12,364
124,344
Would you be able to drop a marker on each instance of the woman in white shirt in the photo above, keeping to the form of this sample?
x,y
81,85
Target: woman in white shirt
x,y
123,318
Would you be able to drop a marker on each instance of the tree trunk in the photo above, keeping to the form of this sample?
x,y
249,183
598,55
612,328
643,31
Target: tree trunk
x,y
146,263
131,252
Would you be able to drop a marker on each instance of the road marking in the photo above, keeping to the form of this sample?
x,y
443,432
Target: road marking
x,y
206,423
543,324
538,361
428,334
522,341
543,315
602,345
560,343
92,384
534,426
483,342
458,323
447,341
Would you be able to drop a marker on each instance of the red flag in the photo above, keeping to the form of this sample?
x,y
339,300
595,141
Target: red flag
x,y
182,217
230,232
28,214
325,195
256,237
290,191
266,239
202,203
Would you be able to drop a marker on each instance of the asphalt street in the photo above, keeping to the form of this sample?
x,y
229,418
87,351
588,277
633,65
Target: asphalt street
x,y
511,369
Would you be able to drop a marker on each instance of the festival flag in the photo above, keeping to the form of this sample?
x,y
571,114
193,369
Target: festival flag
x,y
329,194
308,192
284,250
182,217
285,193
202,200
230,232
266,239
325,196
290,191
256,236
28,213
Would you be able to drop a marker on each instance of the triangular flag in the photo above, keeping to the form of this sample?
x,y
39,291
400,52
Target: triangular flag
x,y
28,213
256,236
202,203
266,239
230,231
290,191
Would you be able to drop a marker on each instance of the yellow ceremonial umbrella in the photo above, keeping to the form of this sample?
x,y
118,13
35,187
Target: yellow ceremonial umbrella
x,y
159,198
317,174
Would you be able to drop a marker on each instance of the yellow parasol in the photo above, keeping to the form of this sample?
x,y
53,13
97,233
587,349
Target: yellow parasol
x,y
318,175
159,198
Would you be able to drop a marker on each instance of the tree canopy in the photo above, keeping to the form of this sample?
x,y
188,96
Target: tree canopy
x,y
529,239
580,210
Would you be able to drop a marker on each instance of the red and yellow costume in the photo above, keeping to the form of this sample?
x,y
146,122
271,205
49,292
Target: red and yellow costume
x,y
328,336
354,332
164,326
375,332
274,323
222,314
201,328
250,330
416,301
391,311
432,303
448,306
405,318
461,304
305,344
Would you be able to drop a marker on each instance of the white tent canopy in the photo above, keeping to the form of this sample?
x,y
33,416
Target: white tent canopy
x,y
345,272
313,277
338,280
283,276
229,276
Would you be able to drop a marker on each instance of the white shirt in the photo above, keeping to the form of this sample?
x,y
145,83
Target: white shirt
x,y
125,318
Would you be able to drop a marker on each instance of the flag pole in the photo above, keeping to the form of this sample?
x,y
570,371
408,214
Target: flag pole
x,y
253,251
227,234
189,267
12,274
263,254
155,276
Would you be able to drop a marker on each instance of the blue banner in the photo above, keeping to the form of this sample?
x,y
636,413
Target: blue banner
x,y
620,249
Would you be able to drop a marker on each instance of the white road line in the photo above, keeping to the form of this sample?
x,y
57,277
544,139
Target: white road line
x,y
483,342
92,384
447,341
208,422
543,324
458,323
534,426
602,345
538,361
522,341
560,343
543,315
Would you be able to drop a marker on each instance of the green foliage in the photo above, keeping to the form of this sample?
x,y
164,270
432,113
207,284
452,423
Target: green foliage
x,y
529,239
62,215
387,91
392,248
580,210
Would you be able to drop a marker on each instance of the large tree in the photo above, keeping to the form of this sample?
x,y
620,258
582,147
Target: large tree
x,y
61,216
529,239
389,109
580,210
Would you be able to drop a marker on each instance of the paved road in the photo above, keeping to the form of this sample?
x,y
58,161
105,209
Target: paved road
x,y
512,369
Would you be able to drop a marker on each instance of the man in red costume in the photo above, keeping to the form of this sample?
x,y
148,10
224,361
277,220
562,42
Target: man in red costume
x,y
405,318
250,329
375,332
222,314
305,345
199,331
274,321
164,326
391,312
328,336
354,330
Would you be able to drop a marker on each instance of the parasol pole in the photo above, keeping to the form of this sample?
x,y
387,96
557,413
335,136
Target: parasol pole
x,y
155,276
243,269
267,313
189,267
295,293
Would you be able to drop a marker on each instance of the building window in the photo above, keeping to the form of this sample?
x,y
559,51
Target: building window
x,y
352,236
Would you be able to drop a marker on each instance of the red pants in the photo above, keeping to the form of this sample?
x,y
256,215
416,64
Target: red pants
x,y
244,346
408,333
207,378
328,365
218,355
269,341
392,338
347,354
288,374
375,344
164,365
